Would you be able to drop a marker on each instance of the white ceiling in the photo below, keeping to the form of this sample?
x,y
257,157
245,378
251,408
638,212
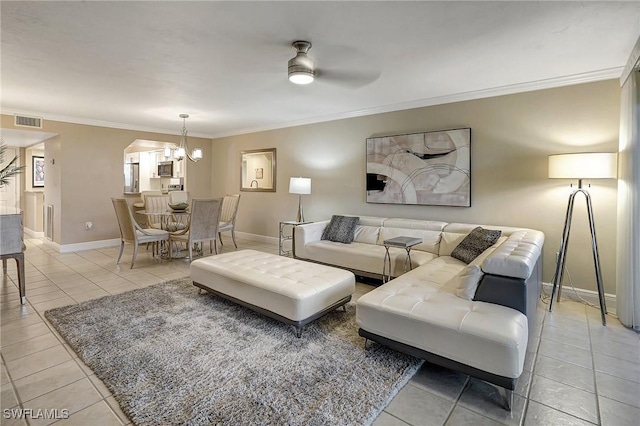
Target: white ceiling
x,y
139,64
22,138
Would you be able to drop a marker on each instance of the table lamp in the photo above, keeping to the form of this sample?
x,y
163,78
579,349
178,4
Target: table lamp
x,y
300,186
592,165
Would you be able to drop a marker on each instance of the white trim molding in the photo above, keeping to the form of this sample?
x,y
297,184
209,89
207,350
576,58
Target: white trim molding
x,y
633,63
549,83
258,238
89,245
93,245
581,295
33,234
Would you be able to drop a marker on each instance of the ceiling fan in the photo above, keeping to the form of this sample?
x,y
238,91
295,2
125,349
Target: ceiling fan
x,y
302,69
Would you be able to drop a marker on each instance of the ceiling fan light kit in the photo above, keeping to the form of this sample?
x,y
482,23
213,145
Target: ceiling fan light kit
x,y
301,67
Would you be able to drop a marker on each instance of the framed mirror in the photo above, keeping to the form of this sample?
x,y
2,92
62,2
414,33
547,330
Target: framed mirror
x,y
258,170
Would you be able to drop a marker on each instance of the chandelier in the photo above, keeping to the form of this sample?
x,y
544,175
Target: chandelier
x,y
183,149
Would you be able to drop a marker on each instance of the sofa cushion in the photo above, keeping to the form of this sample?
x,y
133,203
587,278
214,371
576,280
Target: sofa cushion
x,y
340,229
430,239
467,281
478,260
363,257
449,241
518,255
416,310
475,243
366,234
369,220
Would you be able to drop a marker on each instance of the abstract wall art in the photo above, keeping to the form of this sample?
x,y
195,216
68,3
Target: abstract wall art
x,y
430,168
37,172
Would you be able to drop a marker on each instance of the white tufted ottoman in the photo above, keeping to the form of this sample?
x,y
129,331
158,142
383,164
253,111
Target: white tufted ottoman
x,y
288,290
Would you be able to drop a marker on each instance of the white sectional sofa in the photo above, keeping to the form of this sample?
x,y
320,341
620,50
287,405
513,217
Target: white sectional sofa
x,y
419,312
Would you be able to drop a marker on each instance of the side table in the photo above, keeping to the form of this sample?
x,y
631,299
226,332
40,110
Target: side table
x,y
283,237
402,242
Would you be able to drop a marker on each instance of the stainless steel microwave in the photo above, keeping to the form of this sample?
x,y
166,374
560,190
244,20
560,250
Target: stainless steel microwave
x,y
165,168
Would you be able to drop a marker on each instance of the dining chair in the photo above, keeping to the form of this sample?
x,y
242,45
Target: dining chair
x,y
143,196
205,216
132,233
156,204
139,205
164,218
228,214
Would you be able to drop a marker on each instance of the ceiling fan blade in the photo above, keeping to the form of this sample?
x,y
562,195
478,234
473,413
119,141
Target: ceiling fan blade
x,y
351,79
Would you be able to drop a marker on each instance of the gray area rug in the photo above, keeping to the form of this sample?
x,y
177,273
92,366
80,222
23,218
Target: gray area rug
x,y
172,356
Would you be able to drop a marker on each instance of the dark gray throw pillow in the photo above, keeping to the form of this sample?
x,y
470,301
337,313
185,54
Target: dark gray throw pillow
x,y
475,243
341,229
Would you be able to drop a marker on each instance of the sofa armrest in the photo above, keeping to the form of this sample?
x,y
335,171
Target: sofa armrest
x,y
517,256
516,293
505,291
307,233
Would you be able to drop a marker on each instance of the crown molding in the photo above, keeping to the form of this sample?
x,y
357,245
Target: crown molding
x,y
633,63
100,123
589,77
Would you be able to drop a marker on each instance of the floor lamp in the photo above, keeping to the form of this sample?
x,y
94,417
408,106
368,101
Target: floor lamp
x,y
300,186
597,165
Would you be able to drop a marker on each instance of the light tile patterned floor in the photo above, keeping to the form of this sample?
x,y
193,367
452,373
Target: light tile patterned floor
x,y
577,372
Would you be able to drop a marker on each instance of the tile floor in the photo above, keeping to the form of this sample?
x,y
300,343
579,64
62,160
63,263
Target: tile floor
x,y
577,372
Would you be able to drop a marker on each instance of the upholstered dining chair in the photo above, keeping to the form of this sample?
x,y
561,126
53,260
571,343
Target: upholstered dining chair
x,y
132,233
156,204
163,219
139,205
228,214
144,195
205,216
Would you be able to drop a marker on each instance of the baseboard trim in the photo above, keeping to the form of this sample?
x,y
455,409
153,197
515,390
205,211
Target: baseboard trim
x,y
588,295
93,245
258,238
89,245
33,234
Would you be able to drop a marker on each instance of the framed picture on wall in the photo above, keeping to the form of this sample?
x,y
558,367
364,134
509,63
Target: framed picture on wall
x,y
37,172
428,169
258,170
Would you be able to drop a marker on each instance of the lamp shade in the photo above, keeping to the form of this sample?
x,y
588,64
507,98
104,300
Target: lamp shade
x,y
300,185
586,165
179,152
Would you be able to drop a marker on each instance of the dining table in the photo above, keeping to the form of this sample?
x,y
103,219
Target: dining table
x,y
173,221
170,220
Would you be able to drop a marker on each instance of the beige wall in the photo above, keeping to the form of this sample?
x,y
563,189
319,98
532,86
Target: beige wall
x,y
32,210
511,138
84,169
